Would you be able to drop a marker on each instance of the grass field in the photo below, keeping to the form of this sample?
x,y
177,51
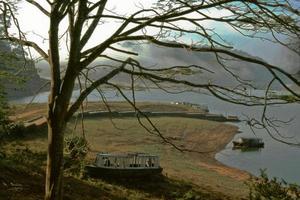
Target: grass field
x,y
193,134
186,175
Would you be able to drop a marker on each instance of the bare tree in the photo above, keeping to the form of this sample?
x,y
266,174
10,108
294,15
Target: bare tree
x,y
164,24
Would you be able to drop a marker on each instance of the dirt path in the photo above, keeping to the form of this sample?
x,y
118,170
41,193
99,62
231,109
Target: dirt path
x,y
27,115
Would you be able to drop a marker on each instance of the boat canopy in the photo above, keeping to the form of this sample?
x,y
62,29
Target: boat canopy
x,y
249,140
129,160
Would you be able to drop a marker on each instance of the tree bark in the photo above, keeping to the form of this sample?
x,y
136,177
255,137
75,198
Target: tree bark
x,y
56,124
54,171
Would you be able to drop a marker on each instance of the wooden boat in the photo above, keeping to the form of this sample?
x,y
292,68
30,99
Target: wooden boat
x,y
124,165
233,118
244,142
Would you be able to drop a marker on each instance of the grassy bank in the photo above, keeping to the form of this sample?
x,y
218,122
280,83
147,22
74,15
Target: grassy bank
x,y
187,175
196,135
23,179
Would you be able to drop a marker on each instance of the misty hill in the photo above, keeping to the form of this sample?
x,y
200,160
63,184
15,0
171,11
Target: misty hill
x,y
18,75
153,56
27,82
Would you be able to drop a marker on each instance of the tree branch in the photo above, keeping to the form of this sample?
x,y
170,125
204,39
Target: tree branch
x,y
41,8
93,86
93,25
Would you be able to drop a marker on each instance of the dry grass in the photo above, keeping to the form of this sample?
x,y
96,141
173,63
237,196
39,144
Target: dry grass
x,y
199,135
21,112
189,171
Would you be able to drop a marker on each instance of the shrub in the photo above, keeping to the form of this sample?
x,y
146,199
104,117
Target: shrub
x,y
191,195
264,188
15,130
4,108
76,149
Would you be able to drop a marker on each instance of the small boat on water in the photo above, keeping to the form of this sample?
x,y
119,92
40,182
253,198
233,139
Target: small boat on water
x,y
244,142
124,165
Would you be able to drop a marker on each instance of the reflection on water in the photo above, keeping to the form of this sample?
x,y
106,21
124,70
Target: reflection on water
x,y
280,160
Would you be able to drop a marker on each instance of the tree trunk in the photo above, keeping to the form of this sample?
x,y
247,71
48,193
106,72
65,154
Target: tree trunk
x,y
54,171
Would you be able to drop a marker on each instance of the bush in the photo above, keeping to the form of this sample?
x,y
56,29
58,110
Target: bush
x,y
4,108
191,195
263,188
15,130
12,130
76,149
29,157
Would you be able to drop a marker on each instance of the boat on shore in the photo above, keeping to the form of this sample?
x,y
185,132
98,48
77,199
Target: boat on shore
x,y
131,165
243,142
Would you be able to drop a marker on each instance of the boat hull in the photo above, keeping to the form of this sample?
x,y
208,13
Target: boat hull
x,y
105,172
238,145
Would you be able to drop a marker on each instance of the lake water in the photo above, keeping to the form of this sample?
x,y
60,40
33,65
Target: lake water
x,y
280,160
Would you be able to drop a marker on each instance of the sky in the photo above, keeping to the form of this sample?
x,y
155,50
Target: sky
x,y
35,25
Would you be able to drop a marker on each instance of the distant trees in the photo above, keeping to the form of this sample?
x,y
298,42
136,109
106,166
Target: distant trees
x,y
3,110
14,61
3,103
8,60
168,24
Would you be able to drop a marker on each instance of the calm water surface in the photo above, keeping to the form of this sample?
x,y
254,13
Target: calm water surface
x,y
279,159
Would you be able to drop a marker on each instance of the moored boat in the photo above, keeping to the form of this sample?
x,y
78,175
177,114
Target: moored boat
x,y
124,165
244,142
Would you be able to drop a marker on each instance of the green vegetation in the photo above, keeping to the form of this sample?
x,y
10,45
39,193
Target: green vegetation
x,y
264,188
76,149
289,98
12,57
285,97
3,110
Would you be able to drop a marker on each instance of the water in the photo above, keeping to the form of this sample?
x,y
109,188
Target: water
x,y
279,159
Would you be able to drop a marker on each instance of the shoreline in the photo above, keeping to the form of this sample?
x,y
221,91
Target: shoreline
x,y
37,111
233,172
200,135
224,169
212,163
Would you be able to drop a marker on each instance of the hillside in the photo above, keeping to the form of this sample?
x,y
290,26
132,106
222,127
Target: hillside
x,y
31,84
152,56
186,175
19,78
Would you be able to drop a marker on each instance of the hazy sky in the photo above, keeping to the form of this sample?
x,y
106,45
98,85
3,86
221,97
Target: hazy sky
x,y
36,26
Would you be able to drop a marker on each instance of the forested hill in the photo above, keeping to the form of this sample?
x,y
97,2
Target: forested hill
x,y
18,75
152,55
29,84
